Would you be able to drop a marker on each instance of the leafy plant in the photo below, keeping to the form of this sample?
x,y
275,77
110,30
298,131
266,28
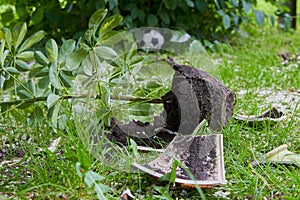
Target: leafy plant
x,y
92,181
15,53
32,75
202,18
170,177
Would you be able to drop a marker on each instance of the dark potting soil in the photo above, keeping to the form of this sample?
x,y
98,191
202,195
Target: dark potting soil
x,y
203,167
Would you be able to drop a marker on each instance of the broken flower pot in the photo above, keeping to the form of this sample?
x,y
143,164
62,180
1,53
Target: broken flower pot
x,y
279,155
201,156
195,95
272,116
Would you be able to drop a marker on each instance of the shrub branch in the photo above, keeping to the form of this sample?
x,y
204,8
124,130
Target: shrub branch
x,y
44,98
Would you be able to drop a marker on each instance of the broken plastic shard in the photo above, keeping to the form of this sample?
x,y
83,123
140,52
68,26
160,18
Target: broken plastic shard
x,y
54,145
201,156
279,155
126,195
272,116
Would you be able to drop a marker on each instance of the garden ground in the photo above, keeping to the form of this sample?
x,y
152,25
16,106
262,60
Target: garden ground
x,y
262,68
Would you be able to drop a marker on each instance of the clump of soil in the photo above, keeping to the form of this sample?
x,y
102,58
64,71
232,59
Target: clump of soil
x,y
204,97
158,138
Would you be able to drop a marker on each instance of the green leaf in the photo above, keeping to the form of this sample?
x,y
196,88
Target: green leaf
x,y
221,12
8,15
226,21
97,18
21,10
22,66
130,54
259,17
67,82
141,109
37,16
216,2
173,172
23,106
26,55
171,176
165,18
99,192
109,24
190,3
67,47
75,58
4,108
272,20
68,72
136,60
91,177
201,6
87,66
87,38
197,48
247,6
106,52
33,39
110,38
235,18
37,115
24,94
30,87
12,70
3,57
164,191
54,115
53,76
8,83
2,45
165,178
170,4
112,4
152,20
152,84
135,12
43,83
130,7
52,99
78,170
142,16
1,34
52,50
103,188
18,33
134,148
287,21
234,3
39,71
105,95
8,38
41,58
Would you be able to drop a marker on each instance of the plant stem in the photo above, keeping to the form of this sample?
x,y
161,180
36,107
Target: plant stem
x,y
44,98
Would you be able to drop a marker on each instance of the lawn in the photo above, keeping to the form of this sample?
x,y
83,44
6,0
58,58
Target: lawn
x,y
252,67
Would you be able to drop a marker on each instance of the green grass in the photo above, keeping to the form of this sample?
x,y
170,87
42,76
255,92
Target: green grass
x,y
251,64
